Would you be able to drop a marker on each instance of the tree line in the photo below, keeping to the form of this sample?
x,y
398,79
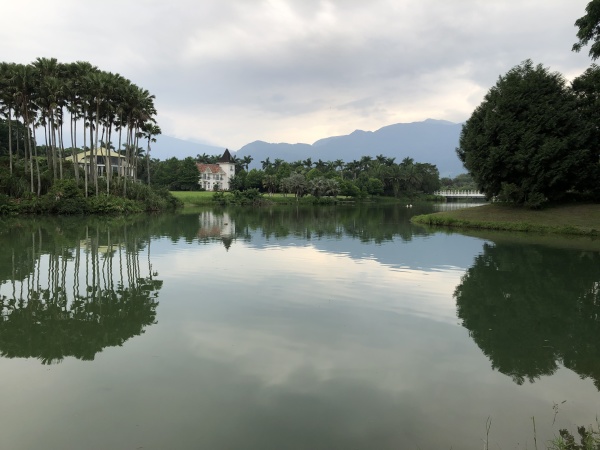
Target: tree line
x,y
379,175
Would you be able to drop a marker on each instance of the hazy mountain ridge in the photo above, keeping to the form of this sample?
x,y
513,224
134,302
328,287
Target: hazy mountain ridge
x,y
167,147
430,141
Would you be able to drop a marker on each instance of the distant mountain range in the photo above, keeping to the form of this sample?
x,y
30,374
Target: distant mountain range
x,y
430,141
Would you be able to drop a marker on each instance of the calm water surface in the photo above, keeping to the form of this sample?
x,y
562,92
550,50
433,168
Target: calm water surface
x,y
285,328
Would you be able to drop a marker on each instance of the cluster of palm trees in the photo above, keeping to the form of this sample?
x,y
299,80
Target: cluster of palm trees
x,y
391,177
53,99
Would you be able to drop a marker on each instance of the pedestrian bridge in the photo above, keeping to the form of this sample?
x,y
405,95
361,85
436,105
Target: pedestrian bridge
x,y
461,194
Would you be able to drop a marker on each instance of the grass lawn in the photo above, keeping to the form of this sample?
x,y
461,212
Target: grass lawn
x,y
199,198
581,219
194,198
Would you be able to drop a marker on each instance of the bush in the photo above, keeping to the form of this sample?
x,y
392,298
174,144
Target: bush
x,y
11,184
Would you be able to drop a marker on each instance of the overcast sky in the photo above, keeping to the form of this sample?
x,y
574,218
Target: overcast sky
x,y
229,72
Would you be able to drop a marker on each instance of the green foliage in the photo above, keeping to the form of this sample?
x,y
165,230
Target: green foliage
x,y
254,179
113,205
177,175
295,184
321,187
526,140
19,134
13,185
589,29
349,189
374,186
589,439
463,181
6,206
238,182
247,197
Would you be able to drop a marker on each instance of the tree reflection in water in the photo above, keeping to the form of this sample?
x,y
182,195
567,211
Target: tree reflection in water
x,y
74,290
531,308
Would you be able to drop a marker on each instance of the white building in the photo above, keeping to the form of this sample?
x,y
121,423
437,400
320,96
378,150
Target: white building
x,y
216,177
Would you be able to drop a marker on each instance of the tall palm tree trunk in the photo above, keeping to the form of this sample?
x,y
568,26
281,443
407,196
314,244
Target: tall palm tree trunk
x,y
37,165
85,158
96,143
10,153
74,146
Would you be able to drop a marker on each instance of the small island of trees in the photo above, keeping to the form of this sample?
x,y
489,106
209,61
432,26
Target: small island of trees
x,y
50,101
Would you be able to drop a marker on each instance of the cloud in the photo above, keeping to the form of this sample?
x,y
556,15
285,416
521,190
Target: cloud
x,y
231,72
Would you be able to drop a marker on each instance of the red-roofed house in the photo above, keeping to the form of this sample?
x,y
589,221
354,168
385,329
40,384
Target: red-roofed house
x,y
215,177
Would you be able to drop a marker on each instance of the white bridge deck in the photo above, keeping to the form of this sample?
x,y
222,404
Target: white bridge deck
x,y
460,194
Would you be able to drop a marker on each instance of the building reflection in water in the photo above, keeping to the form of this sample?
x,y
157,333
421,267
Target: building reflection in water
x,y
216,226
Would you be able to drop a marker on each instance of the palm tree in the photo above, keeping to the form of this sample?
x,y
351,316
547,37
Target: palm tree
x,y
50,93
338,164
150,130
24,85
354,168
246,161
7,98
270,183
365,163
410,174
320,165
297,184
75,75
203,158
394,177
266,164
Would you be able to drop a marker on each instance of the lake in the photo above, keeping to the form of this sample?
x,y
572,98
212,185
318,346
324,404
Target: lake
x,y
293,328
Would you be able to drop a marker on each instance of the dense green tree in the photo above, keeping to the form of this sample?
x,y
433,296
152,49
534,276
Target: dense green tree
x,y
238,182
429,176
12,135
589,29
525,142
295,184
188,175
587,89
374,186
321,186
254,179
463,181
284,170
270,183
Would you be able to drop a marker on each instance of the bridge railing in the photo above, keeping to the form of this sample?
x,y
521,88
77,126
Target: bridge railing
x,y
471,193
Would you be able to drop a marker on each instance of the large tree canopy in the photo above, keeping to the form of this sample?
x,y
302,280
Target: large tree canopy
x,y
527,142
589,29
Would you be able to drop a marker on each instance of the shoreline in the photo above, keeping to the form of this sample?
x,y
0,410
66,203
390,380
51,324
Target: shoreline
x,y
568,219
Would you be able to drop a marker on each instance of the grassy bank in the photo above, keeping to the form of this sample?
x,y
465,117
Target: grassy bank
x,y
201,198
574,219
